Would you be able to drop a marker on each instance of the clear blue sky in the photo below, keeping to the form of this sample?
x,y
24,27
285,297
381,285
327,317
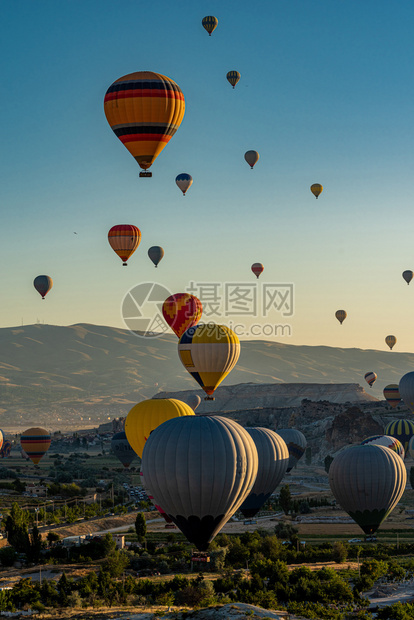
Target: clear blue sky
x,y
326,95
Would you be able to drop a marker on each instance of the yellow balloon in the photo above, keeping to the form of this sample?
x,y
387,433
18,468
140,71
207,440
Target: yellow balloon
x,y
390,341
209,352
316,189
147,415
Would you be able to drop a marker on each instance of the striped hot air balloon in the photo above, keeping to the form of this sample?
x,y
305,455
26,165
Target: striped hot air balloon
x,y
370,378
209,23
392,394
402,430
387,441
124,240
144,417
35,442
182,311
144,109
390,341
209,352
257,269
5,449
233,77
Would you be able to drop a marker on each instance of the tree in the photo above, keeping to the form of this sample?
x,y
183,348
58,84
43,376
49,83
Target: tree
x,y
17,529
285,499
35,545
285,531
140,526
339,552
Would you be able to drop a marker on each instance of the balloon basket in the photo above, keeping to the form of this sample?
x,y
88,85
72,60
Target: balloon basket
x,y
209,398
145,174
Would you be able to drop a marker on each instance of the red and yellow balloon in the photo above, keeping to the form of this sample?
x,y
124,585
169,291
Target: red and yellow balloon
x,y
124,240
182,311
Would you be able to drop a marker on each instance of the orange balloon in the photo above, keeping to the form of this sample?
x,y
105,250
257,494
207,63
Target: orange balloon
x,y
124,240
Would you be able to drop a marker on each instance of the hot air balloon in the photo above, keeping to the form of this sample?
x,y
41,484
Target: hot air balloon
x,y
252,157
184,181
124,240
316,189
273,461
340,315
144,109
392,394
193,400
43,284
370,378
1,439
35,442
200,469
150,497
390,341
387,441
402,430
368,482
209,352
411,447
144,417
296,445
233,77
5,449
181,311
406,390
121,448
257,269
408,275
210,23
156,254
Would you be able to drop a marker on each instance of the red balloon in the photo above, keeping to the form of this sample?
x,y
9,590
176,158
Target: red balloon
x,y
257,269
182,311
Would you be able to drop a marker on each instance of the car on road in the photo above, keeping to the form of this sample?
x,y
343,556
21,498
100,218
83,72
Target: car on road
x,y
355,540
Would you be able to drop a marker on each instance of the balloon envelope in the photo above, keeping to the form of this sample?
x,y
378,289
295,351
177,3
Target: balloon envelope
x,y
233,77
200,469
408,275
147,415
181,311
124,240
316,189
209,352
406,390
121,448
392,394
402,430
194,400
257,269
340,315
296,444
210,23
43,284
411,447
387,441
5,449
156,254
252,157
368,482
184,181
390,341
370,378
35,442
144,109
273,461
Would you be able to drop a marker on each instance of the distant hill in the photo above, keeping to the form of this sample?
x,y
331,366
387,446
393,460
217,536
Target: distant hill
x,y
102,371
